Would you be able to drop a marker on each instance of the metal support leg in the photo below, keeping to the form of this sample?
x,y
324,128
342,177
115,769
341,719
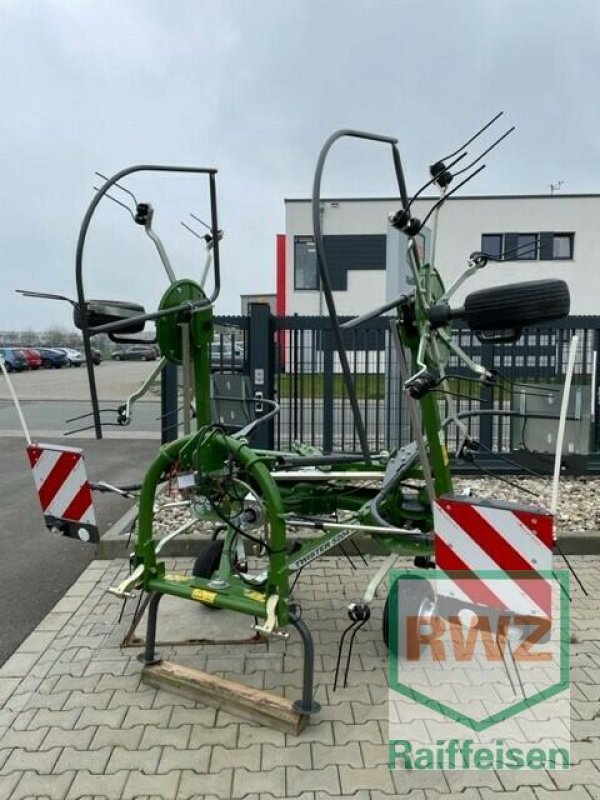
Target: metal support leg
x,y
307,704
150,656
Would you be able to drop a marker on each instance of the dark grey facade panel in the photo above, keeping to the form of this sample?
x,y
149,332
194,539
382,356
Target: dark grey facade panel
x,y
343,252
353,252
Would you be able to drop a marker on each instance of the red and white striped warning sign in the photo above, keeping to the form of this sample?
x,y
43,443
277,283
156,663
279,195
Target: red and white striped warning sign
x,y
63,488
474,535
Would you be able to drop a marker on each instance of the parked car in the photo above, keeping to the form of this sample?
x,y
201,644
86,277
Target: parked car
x,y
136,352
34,359
51,357
14,359
96,356
226,357
74,357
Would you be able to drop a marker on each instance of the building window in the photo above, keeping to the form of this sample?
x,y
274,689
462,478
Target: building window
x,y
491,244
562,246
306,271
544,246
527,247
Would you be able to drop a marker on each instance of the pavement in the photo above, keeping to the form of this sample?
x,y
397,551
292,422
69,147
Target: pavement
x,y
76,721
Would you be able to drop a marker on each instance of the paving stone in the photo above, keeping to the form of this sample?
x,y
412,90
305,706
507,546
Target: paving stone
x,y
315,732
110,717
258,734
245,782
24,739
53,622
374,755
158,717
522,793
139,784
575,793
22,760
54,702
200,736
196,760
115,667
367,732
218,784
129,738
378,778
290,756
8,783
71,683
7,687
37,642
99,700
144,760
125,698
458,779
18,665
240,758
525,777
54,787
405,780
586,773
94,761
78,739
202,715
175,737
128,683
326,755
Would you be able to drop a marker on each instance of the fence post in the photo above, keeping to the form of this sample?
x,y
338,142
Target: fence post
x,y
327,390
595,404
486,421
169,418
261,365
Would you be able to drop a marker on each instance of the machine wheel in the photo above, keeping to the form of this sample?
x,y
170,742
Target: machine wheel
x,y
208,561
517,305
418,604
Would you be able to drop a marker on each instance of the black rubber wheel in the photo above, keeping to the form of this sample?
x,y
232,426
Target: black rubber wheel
x,y
517,305
208,561
411,603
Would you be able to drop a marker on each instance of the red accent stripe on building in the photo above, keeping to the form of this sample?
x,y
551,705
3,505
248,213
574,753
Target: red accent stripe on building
x,y
467,580
79,504
281,276
56,477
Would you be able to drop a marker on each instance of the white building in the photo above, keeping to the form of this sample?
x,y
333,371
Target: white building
x,y
544,236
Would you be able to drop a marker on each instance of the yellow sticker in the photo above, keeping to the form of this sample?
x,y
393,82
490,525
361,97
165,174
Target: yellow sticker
x,y
177,578
204,596
258,596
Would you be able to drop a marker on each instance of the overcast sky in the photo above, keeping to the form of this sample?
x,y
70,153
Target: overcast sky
x,y
253,88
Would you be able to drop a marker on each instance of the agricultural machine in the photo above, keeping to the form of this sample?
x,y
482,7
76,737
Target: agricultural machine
x,y
254,498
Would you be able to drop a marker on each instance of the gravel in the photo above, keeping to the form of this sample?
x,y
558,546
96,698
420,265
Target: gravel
x,y
578,511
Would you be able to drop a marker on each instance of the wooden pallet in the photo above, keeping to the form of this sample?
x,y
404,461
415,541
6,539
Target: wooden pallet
x,y
255,705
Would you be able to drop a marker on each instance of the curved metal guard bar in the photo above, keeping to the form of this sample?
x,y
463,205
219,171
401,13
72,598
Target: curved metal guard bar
x,y
324,269
85,330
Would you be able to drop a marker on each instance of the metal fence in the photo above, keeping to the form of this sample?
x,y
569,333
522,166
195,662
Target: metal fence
x,y
293,360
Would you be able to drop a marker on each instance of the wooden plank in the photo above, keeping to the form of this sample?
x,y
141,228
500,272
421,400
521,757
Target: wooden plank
x,y
255,705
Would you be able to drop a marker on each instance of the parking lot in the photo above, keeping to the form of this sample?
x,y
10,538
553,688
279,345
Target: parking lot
x,y
115,380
